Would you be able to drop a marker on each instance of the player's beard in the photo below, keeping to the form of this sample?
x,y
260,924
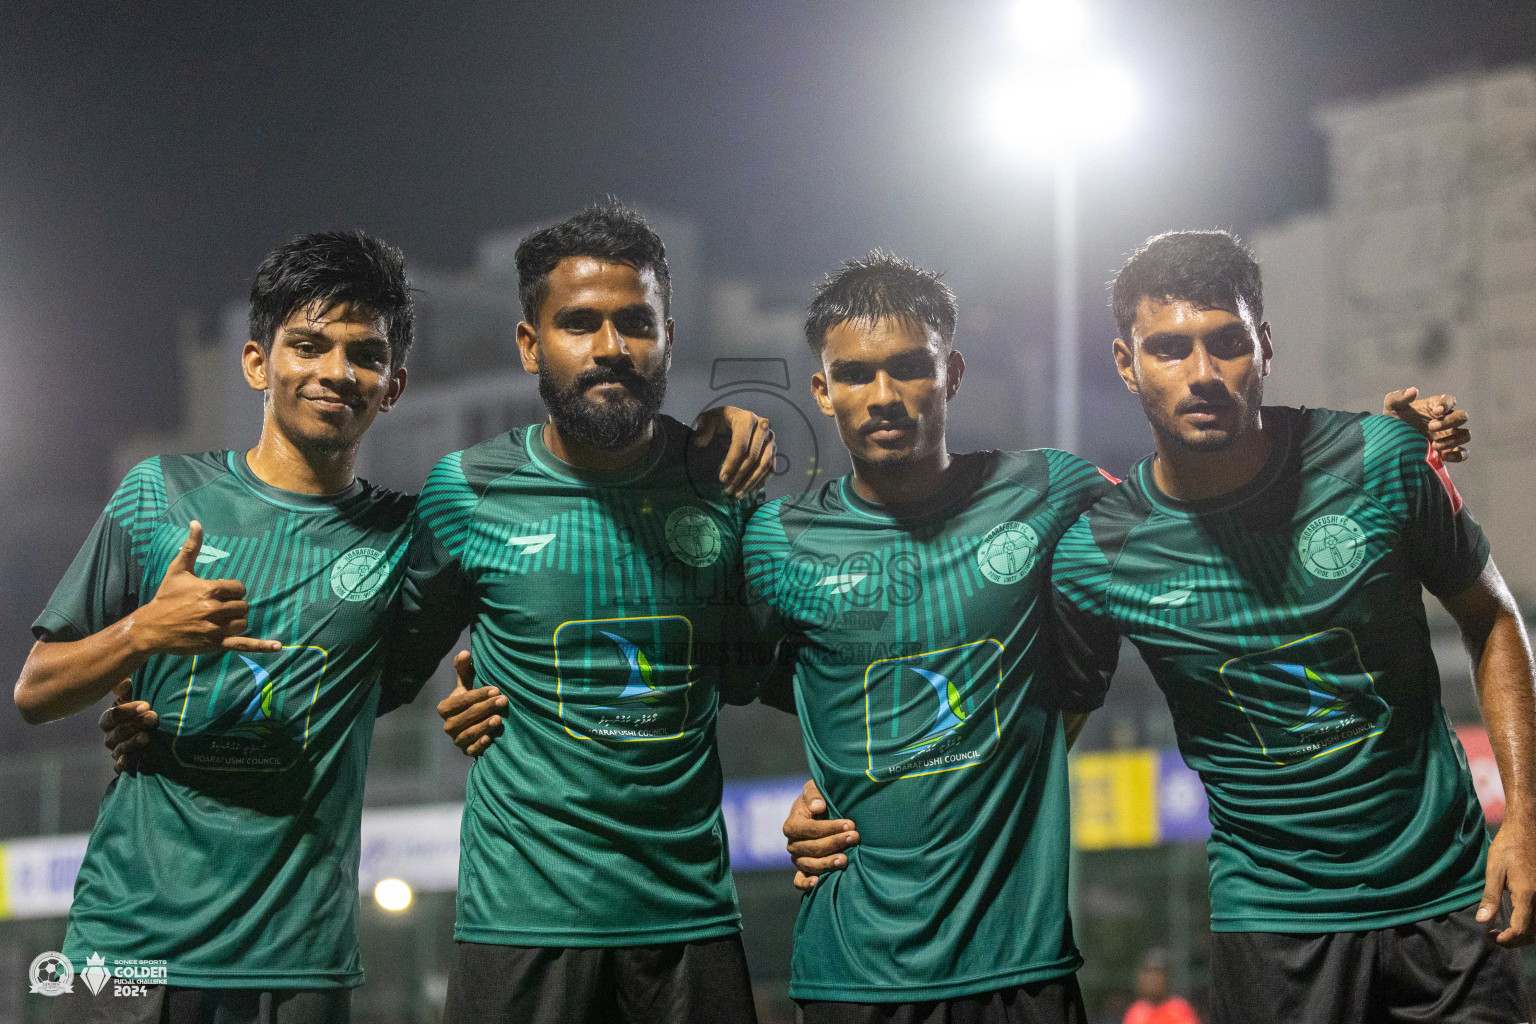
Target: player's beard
x,y
613,423
1246,407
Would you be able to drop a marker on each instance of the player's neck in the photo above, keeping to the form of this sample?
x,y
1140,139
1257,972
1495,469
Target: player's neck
x,y
1191,475
280,463
903,484
588,456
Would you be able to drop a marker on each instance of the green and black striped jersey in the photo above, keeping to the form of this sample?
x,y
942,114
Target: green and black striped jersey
x,y
931,710
606,606
232,853
1285,625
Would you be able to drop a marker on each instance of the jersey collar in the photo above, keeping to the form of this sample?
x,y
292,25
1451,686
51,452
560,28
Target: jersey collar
x,y
546,460
292,500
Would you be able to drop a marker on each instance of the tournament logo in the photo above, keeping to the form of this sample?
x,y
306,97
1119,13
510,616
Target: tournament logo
x,y
693,536
1007,552
358,574
95,974
51,974
1331,547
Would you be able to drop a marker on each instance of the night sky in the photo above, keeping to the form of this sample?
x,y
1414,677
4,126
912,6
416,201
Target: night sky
x,y
151,153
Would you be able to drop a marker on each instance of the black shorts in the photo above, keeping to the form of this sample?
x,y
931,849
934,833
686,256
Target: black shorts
x,y
1058,1001
1443,968
702,982
171,1005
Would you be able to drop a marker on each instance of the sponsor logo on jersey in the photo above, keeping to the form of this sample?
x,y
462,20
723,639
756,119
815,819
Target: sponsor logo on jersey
x,y
693,536
624,680
209,553
1331,547
1007,552
531,544
359,574
841,583
1307,698
932,712
1171,599
638,688
51,974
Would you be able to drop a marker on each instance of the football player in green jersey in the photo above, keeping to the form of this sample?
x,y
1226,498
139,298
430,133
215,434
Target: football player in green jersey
x,y
1268,564
913,594
597,560
245,594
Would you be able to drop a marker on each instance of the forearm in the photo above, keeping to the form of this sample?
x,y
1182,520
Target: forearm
x,y
63,677
1502,671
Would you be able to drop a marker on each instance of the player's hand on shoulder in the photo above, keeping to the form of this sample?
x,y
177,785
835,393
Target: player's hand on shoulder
x,y
127,725
816,844
1434,416
191,615
1512,867
471,715
749,462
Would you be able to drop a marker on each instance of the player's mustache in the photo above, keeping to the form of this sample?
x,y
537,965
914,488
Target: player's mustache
x,y
1206,403
626,375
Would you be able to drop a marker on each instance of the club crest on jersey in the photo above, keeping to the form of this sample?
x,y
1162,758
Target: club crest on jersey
x,y
693,536
1331,547
1007,552
358,574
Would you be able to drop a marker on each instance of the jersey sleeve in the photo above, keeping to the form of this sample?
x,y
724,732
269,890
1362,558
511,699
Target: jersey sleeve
x,y
1446,545
435,604
1086,640
1076,484
747,652
104,582
765,553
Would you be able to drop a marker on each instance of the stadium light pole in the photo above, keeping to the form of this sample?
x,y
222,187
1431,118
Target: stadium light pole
x,y
1061,99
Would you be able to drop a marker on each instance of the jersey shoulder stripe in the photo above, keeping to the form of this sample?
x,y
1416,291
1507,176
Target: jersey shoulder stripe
x,y
1075,482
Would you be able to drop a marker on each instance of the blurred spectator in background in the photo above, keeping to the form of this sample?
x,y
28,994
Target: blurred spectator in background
x,y
1155,1004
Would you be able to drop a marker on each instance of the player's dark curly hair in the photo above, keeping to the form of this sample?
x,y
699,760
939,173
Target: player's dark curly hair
x,y
1209,269
607,231
882,285
334,268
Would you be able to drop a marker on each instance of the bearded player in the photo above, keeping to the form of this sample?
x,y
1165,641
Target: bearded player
x,y
597,561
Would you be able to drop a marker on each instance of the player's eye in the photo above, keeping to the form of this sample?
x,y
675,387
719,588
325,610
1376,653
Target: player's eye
x,y
635,325
854,375
579,321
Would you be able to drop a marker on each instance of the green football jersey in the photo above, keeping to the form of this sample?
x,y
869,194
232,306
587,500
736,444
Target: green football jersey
x,y
1285,625
606,606
232,853
925,682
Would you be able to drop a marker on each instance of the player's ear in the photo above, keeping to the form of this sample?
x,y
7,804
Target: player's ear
x,y
1266,349
668,361
396,389
954,369
1125,363
528,346
253,363
819,392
